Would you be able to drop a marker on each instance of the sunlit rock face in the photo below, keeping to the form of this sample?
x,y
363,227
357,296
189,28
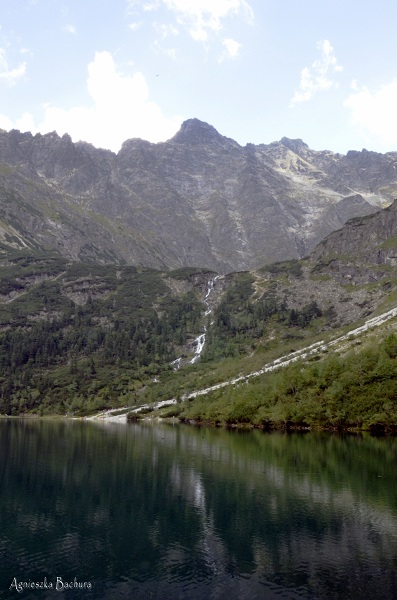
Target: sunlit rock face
x,y
199,199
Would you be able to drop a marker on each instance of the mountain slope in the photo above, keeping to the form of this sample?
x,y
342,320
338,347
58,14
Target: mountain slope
x,y
83,336
197,199
79,337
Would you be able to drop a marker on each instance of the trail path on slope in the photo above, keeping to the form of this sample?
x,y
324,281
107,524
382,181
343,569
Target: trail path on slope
x,y
18,295
283,361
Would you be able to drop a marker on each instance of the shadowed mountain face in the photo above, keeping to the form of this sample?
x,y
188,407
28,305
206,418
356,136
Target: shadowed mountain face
x,y
370,240
198,199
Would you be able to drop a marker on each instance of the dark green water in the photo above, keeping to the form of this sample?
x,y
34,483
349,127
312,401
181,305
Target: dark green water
x,y
175,512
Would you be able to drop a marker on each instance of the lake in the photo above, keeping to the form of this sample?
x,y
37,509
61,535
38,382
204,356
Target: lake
x,y
172,512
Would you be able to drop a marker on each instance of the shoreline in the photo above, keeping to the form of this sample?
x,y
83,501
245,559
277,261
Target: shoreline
x,y
380,429
376,430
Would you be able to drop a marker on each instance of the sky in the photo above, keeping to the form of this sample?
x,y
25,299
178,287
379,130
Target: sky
x,y
105,71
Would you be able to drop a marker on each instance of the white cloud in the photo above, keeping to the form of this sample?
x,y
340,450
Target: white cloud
x,y
165,31
24,123
374,113
149,6
232,49
317,78
204,16
134,26
69,29
8,75
5,123
134,6
120,109
170,52
199,17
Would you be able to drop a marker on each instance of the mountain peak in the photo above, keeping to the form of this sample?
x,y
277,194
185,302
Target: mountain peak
x,y
194,131
294,145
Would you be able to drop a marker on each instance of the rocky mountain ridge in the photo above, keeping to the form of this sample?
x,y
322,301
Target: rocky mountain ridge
x,y
350,274
199,199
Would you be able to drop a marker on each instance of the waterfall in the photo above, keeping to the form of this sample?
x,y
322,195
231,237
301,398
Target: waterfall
x,y
200,340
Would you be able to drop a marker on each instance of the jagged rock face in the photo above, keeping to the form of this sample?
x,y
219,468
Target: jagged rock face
x,y
199,199
370,240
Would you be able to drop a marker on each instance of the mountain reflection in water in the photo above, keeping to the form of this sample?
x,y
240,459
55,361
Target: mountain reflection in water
x,y
176,512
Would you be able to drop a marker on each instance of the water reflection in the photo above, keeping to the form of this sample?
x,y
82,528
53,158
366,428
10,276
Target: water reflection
x,y
150,511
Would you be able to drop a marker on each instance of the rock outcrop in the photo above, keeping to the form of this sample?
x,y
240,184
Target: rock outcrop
x,y
199,199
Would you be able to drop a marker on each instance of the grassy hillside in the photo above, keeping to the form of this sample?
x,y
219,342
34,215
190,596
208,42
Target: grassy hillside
x,y
275,311
356,389
77,338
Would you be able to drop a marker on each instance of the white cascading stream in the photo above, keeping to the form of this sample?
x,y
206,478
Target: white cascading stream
x,y
199,342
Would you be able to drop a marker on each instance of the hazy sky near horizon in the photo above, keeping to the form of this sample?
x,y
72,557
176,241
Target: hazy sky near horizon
x,y
105,71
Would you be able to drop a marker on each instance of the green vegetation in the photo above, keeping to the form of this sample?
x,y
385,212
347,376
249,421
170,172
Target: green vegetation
x,y
331,262
287,267
320,277
76,338
87,337
389,244
79,338
356,390
239,323
187,272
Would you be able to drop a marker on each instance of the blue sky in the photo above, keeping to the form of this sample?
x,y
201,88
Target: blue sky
x,y
105,71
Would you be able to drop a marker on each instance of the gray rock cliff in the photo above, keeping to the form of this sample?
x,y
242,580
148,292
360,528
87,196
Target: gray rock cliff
x,y
199,199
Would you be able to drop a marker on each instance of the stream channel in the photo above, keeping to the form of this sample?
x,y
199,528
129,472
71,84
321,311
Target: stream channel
x,y
199,342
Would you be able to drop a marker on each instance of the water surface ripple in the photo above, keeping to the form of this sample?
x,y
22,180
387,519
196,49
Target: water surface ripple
x,y
162,512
